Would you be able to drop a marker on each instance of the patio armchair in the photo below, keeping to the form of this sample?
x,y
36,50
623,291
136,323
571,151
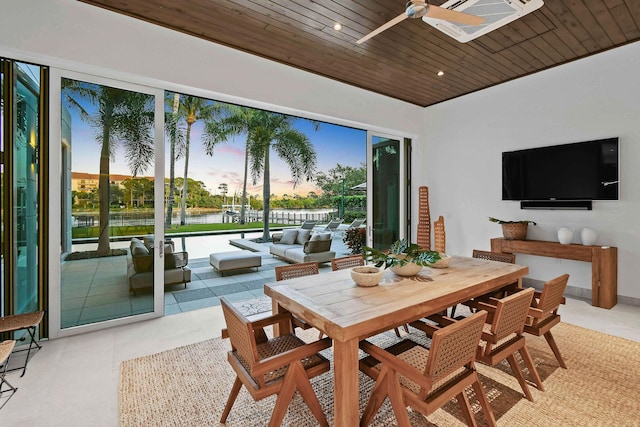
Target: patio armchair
x,y
6,348
280,365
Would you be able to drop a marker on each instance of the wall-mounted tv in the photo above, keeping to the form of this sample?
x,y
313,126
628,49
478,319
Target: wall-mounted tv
x,y
578,171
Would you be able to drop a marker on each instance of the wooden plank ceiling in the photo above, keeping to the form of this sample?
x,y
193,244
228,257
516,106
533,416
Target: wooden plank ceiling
x,y
401,62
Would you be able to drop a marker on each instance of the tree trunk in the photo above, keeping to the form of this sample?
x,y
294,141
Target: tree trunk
x,y
244,184
103,196
266,194
183,212
172,165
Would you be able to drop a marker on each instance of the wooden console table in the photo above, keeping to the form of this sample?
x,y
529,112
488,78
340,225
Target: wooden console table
x,y
603,259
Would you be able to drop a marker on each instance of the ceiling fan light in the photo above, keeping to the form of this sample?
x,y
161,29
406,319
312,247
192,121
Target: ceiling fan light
x,y
416,9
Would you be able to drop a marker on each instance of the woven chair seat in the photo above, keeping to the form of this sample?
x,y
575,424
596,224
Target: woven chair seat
x,y
20,321
277,346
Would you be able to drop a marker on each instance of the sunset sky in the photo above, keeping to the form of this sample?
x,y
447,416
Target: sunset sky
x,y
333,144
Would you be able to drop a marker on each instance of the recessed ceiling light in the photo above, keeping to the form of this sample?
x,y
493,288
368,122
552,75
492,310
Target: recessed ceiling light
x,y
337,26
440,73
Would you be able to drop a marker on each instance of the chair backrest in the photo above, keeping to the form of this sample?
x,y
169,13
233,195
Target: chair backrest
x,y
333,224
439,237
308,225
511,314
240,333
552,294
494,256
347,262
454,346
357,222
292,271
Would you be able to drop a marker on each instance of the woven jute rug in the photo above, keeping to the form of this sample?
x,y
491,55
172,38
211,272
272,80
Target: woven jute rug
x,y
189,386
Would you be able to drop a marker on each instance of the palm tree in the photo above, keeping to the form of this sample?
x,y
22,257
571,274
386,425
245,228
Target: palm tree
x,y
121,118
236,120
192,109
176,148
266,131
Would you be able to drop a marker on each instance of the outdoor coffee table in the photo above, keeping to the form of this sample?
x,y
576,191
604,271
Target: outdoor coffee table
x,y
347,313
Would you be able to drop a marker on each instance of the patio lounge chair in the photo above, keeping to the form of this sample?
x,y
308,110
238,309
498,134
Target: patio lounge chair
x,y
308,225
331,226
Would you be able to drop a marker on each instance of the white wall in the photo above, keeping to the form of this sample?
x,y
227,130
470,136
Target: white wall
x,y
593,98
71,34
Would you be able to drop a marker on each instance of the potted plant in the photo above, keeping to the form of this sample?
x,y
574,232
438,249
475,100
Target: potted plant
x,y
404,258
513,230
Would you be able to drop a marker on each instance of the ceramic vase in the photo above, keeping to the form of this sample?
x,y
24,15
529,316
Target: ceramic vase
x,y
565,235
588,236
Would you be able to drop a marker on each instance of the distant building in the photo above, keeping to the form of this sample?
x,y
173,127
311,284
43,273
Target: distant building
x,y
87,182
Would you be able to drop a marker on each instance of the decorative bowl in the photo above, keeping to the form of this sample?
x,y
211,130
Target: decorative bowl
x,y
409,269
367,276
443,262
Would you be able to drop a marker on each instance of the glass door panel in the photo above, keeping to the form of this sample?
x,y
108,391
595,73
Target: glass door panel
x,y
107,204
20,120
387,195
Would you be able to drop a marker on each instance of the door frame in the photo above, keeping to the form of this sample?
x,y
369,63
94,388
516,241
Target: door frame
x,y
55,161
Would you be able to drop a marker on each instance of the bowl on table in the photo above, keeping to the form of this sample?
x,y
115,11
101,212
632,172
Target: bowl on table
x,y
367,276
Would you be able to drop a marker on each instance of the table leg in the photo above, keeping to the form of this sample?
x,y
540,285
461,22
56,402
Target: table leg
x,y
346,388
282,328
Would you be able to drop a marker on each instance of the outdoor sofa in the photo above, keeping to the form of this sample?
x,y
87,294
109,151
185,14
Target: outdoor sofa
x,y
300,245
140,265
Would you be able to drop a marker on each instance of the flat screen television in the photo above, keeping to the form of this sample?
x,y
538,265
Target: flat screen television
x,y
579,171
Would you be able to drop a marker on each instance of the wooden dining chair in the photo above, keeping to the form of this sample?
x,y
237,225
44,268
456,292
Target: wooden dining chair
x,y
426,379
491,256
347,262
503,336
292,271
280,365
543,313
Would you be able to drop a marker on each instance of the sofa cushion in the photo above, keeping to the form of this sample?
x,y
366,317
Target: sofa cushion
x,y
298,255
138,248
320,236
289,237
303,236
315,246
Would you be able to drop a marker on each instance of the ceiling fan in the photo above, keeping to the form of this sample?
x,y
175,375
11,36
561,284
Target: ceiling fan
x,y
419,9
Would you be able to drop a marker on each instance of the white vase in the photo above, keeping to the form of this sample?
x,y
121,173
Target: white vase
x,y
565,235
588,236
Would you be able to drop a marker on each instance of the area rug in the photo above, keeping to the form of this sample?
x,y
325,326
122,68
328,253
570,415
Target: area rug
x,y
189,386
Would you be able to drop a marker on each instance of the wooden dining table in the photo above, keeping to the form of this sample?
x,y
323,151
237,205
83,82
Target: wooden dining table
x,y
348,313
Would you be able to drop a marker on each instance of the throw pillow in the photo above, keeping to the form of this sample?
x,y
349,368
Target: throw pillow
x,y
303,236
321,236
289,237
138,249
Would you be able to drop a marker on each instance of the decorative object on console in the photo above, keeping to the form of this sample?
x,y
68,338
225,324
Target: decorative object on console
x,y
513,230
565,235
588,236
401,254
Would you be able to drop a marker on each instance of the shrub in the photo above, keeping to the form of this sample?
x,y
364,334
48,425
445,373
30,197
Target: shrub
x,y
355,239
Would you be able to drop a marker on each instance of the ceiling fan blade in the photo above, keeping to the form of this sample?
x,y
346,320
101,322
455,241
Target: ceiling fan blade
x,y
383,27
453,16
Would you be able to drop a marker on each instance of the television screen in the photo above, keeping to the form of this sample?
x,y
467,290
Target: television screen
x,y
579,171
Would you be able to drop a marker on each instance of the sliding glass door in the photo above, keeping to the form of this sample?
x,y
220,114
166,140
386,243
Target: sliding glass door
x,y
110,144
388,194
22,141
